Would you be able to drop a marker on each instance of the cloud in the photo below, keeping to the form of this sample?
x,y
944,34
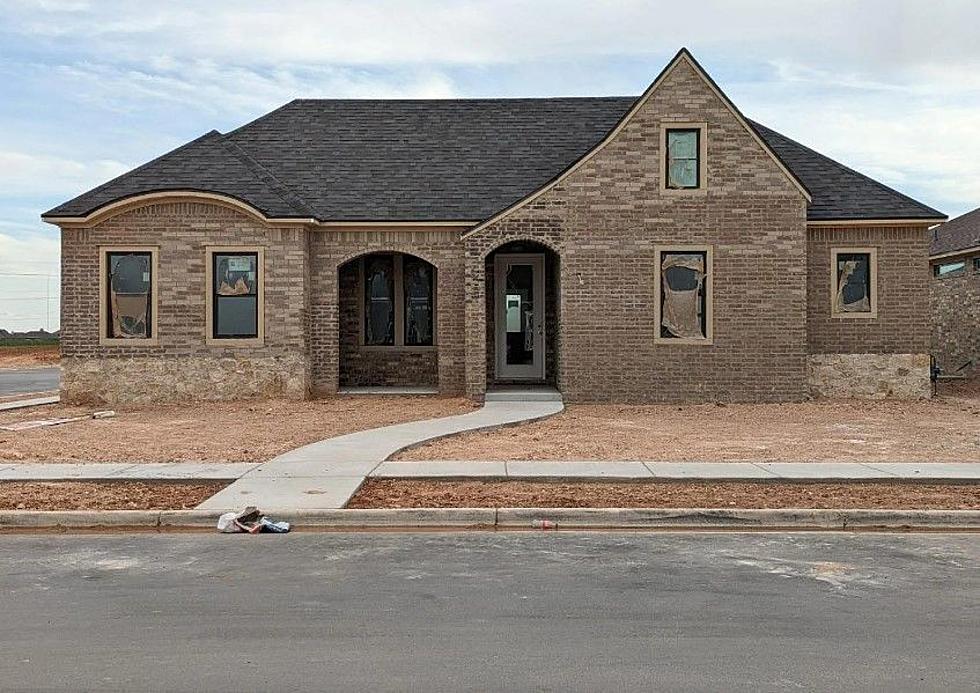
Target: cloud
x,y
23,173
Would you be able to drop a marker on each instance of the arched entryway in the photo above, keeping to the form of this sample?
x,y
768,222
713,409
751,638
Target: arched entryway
x,y
522,315
388,330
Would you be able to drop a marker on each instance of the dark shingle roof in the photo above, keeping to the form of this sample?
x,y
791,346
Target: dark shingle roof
x,y
960,233
429,160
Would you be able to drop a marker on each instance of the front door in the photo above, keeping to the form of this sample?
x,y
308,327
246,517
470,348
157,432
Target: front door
x,y
519,318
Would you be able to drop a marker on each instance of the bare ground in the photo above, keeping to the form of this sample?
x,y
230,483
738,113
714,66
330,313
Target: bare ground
x,y
251,431
115,495
943,429
410,493
29,356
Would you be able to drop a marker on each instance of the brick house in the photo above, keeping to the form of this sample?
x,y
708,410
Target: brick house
x,y
955,291
635,249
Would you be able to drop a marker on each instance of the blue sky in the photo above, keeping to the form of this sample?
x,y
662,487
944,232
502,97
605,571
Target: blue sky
x,y
91,89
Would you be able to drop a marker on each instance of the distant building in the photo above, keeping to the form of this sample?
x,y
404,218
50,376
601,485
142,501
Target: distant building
x,y
955,291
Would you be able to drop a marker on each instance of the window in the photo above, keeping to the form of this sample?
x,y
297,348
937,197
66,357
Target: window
x,y
418,301
683,159
128,283
976,264
379,300
949,267
683,306
235,301
854,282
399,301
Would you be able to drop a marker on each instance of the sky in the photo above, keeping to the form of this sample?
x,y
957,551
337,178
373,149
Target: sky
x,y
90,89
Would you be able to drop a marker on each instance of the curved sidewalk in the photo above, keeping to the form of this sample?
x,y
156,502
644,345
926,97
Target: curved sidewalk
x,y
326,474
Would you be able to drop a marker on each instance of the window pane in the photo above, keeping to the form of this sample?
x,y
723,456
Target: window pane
x,y
683,303
854,282
949,267
417,276
682,158
129,295
236,286
236,275
379,300
236,316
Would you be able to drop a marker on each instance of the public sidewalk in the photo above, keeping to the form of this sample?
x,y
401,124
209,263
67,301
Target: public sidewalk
x,y
938,472
726,471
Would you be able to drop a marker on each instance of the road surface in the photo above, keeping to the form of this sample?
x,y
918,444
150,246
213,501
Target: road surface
x,y
490,611
13,381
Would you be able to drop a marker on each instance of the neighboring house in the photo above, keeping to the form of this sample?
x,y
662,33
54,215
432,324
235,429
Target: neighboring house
x,y
651,248
955,290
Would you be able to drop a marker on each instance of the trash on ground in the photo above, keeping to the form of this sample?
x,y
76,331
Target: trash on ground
x,y
41,423
251,521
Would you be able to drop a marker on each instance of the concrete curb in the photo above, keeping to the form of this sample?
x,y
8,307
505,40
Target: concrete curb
x,y
511,519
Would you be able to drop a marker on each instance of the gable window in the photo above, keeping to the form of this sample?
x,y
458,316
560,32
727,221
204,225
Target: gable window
x,y
948,268
235,295
683,306
128,282
854,282
398,301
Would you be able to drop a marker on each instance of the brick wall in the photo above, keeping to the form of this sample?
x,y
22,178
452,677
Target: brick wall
x,y
182,365
956,318
330,249
604,221
903,322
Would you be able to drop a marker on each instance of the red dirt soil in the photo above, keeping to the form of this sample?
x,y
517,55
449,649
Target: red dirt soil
x,y
411,493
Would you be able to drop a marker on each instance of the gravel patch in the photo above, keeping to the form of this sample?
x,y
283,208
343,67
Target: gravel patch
x,y
405,493
114,495
944,429
248,431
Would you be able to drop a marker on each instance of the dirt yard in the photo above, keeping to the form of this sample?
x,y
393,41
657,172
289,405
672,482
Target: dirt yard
x,y
409,493
252,431
29,356
940,430
115,495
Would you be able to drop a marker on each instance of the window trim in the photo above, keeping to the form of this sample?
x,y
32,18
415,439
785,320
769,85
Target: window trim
x,y
709,281
209,338
702,129
154,339
399,288
873,294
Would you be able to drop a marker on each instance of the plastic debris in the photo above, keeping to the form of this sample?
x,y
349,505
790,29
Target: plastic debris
x,y
251,521
544,524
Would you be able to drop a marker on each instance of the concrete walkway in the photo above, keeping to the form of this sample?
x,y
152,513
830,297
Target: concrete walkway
x,y
326,474
731,471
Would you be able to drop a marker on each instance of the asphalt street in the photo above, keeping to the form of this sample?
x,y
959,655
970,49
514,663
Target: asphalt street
x,y
538,611
13,381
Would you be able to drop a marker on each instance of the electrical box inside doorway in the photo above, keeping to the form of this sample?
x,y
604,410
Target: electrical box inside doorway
x,y
513,312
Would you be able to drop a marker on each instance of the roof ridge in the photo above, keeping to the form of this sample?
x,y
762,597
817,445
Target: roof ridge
x,y
864,176
276,186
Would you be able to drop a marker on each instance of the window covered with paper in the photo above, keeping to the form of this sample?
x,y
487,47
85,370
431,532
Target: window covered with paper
x,y
130,302
683,300
235,301
853,283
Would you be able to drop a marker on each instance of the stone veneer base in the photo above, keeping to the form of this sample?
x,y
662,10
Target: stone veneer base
x,y
869,376
156,379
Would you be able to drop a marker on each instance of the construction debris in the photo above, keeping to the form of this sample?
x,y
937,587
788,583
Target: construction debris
x,y
41,423
250,521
